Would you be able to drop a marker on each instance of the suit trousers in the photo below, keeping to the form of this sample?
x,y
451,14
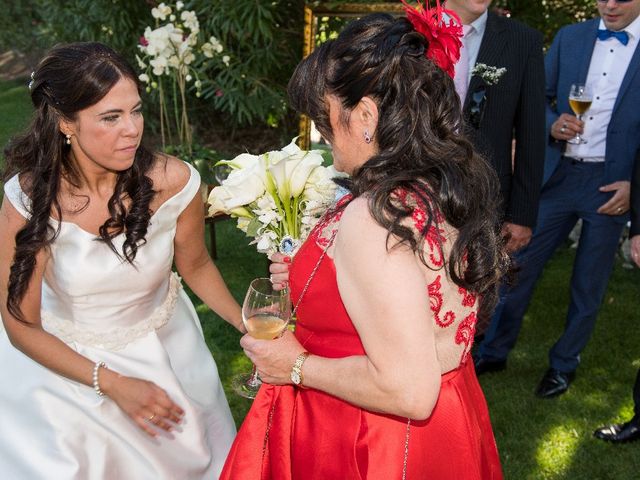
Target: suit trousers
x,y
571,193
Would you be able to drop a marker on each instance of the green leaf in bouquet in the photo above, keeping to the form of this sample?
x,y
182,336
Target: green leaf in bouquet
x,y
253,227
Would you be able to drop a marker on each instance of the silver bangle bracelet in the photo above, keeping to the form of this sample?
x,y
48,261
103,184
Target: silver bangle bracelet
x,y
96,383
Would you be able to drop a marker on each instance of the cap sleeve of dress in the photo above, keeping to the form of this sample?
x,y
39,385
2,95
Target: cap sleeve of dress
x,y
20,201
174,206
190,190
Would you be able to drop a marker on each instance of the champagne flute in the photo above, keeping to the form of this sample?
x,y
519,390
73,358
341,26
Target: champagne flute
x,y
580,99
265,314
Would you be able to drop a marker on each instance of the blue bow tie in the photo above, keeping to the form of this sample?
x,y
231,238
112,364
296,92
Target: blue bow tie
x,y
622,36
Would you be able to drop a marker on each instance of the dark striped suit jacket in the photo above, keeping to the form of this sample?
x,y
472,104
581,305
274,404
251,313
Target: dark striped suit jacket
x,y
513,108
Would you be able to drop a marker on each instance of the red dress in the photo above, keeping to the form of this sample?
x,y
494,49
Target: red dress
x,y
296,434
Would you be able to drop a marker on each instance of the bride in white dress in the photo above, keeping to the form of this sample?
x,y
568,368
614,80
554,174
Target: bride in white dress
x,y
104,371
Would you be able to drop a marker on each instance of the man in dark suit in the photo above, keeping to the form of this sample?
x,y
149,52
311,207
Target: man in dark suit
x,y
629,431
512,108
589,181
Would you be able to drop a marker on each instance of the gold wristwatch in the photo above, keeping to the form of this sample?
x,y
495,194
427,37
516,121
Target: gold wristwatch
x,y
296,370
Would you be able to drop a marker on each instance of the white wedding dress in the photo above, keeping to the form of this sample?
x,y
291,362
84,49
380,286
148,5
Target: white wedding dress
x,y
137,320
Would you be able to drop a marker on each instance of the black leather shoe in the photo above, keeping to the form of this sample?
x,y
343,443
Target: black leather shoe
x,y
483,365
554,383
620,432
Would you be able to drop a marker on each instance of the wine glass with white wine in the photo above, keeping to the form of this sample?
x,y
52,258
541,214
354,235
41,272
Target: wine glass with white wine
x,y
580,99
265,314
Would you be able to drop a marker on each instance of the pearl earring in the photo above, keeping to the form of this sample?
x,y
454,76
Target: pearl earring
x,y
68,141
367,137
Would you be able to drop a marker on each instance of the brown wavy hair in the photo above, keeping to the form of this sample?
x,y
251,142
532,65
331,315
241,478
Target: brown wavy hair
x,y
422,149
70,78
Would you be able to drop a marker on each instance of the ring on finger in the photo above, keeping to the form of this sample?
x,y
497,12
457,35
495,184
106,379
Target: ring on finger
x,y
150,418
562,129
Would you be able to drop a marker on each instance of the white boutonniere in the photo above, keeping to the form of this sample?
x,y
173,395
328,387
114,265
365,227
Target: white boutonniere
x,y
490,75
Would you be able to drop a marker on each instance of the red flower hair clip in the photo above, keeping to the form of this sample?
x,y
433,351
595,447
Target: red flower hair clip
x,y
442,34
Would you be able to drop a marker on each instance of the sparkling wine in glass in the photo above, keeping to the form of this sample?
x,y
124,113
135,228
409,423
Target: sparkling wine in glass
x,y
265,313
580,99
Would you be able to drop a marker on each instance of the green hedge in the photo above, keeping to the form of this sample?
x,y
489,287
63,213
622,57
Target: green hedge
x,y
263,38
548,16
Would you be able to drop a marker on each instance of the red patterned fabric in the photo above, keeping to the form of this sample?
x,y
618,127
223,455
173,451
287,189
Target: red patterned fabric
x,y
295,434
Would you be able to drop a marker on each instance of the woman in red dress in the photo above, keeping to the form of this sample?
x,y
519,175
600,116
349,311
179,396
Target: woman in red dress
x,y
377,382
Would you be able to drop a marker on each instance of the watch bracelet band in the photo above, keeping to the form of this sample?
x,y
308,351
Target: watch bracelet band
x,y
297,366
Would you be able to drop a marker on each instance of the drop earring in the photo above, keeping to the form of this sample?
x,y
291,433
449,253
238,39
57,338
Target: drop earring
x,y
68,140
367,137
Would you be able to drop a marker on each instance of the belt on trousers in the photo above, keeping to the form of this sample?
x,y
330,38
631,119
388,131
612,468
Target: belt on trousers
x,y
575,160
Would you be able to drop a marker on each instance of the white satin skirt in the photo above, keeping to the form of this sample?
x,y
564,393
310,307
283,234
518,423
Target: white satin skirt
x,y
54,428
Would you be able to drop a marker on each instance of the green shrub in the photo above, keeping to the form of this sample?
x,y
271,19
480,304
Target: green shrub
x,y
548,16
263,39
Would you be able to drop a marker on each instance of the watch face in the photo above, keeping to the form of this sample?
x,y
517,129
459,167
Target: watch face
x,y
295,378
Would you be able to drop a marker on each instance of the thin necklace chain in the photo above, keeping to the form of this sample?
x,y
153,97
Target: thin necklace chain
x,y
295,309
406,450
313,272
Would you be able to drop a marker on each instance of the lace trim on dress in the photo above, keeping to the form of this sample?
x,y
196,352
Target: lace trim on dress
x,y
119,337
326,228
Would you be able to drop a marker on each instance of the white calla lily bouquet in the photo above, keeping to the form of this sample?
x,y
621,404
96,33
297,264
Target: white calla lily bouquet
x,y
277,196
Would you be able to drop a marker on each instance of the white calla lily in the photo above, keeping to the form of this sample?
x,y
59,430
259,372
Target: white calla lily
x,y
274,157
300,174
244,160
221,201
243,189
292,148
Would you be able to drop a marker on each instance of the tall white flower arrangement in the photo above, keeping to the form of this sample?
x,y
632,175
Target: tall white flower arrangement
x,y
171,55
277,196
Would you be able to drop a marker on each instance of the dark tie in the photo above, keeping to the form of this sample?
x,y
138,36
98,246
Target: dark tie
x,y
622,36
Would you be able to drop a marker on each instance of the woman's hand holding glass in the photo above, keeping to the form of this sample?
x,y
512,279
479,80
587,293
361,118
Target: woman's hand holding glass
x,y
274,358
266,311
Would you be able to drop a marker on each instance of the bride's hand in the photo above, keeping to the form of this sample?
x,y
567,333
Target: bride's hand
x,y
273,358
279,270
144,402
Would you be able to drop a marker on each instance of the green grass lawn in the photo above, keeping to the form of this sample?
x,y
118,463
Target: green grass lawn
x,y
537,439
15,109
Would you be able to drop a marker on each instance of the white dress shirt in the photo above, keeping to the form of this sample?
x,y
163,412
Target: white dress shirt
x,y
472,40
607,69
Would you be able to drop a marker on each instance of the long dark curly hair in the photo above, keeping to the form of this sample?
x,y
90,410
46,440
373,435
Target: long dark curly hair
x,y
422,148
70,78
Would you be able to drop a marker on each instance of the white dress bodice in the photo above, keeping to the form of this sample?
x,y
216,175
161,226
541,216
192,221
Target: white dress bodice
x,y
138,320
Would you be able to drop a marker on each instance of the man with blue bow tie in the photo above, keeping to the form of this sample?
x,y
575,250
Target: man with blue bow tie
x,y
588,181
